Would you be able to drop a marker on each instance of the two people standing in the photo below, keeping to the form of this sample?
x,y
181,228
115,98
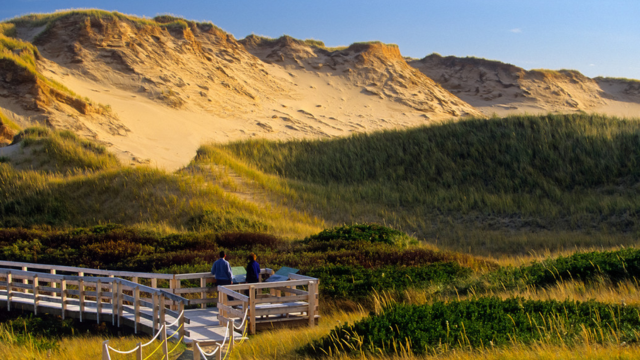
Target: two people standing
x,y
224,276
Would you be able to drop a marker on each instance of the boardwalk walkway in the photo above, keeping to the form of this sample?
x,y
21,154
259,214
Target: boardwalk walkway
x,y
121,299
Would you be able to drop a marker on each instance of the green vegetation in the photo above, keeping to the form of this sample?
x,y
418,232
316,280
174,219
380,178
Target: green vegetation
x,y
62,151
357,283
24,55
612,265
5,121
480,323
365,232
462,183
50,19
62,181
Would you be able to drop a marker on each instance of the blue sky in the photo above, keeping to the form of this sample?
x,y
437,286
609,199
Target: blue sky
x,y
596,37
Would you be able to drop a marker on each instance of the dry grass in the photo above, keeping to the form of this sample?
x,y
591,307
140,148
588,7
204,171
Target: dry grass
x,y
75,348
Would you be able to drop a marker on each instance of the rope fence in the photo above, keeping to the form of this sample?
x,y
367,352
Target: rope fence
x,y
199,354
138,349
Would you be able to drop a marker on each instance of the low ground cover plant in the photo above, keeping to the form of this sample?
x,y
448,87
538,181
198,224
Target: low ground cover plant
x,y
372,233
480,323
356,282
586,266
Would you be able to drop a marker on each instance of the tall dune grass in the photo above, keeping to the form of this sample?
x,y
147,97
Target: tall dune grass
x,y
463,184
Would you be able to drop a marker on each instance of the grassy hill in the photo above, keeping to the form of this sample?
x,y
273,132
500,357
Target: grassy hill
x,y
59,180
506,185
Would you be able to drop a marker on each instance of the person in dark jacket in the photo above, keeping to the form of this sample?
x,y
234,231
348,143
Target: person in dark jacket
x,y
253,269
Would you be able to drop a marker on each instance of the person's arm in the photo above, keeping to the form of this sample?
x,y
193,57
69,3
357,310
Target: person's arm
x,y
213,268
229,272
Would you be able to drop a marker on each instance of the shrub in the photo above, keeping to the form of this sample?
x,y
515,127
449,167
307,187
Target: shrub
x,y
613,265
364,232
356,282
480,323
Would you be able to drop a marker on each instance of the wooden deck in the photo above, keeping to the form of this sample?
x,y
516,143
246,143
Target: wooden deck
x,y
114,299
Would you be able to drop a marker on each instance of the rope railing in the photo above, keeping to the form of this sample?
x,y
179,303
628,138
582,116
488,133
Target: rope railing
x,y
162,331
230,326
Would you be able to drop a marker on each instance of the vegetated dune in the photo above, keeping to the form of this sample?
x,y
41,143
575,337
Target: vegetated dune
x,y
497,87
175,84
520,177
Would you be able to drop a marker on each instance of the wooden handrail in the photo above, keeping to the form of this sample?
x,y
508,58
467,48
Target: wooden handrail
x,y
4,263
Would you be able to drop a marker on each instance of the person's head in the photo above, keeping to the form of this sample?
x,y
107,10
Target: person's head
x,y
223,254
252,256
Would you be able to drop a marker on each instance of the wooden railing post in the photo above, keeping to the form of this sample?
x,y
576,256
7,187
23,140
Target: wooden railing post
x,y
155,313
53,282
63,297
163,337
25,281
9,290
105,350
154,283
231,337
36,299
162,311
311,312
120,306
175,287
203,284
252,310
139,351
136,308
219,353
98,300
196,352
114,302
81,296
181,332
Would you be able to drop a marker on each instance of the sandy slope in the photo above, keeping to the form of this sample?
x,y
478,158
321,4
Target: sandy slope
x,y
171,89
175,89
498,88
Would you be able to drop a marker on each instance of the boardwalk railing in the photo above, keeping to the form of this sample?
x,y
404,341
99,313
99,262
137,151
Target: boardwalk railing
x,y
199,354
171,283
270,302
90,298
119,297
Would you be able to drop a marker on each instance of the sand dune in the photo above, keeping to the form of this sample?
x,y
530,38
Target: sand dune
x,y
153,91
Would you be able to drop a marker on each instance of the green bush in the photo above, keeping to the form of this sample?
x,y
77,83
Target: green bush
x,y
612,265
364,232
480,323
356,282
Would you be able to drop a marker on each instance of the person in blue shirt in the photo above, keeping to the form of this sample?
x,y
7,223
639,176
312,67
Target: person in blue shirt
x,y
222,270
253,269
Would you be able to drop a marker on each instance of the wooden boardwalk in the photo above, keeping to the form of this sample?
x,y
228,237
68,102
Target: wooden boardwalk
x,y
119,298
